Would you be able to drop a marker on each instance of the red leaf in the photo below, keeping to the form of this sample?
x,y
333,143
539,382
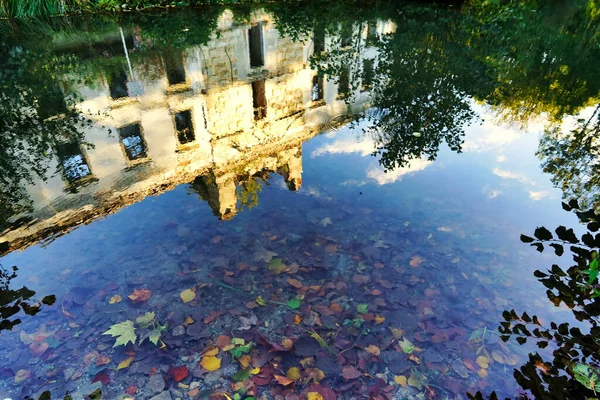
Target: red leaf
x,y
178,373
349,372
131,390
102,377
327,393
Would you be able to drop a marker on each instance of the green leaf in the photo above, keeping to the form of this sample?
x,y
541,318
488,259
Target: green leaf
x,y
276,265
145,320
593,276
294,304
123,331
154,336
362,308
587,376
594,264
241,375
406,346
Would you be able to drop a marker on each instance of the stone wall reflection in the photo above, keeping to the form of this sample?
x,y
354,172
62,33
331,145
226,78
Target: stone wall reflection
x,y
210,114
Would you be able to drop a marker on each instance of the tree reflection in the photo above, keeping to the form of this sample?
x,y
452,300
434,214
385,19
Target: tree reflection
x,y
440,59
13,301
572,160
35,119
574,370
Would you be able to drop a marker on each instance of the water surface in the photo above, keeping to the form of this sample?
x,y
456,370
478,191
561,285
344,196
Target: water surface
x,y
305,208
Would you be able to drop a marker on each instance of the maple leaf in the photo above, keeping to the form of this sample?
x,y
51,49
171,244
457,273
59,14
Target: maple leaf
x,y
145,320
124,332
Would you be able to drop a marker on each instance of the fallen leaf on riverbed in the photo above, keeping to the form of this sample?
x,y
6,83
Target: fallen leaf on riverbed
x,y
349,372
293,373
102,359
115,299
283,380
372,349
415,261
140,295
187,295
179,373
314,396
400,380
295,283
21,376
125,363
210,363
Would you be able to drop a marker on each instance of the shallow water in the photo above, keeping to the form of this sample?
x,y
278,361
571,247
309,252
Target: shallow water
x,y
278,227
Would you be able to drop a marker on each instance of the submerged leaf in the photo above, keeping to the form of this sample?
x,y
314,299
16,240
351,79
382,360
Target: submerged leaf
x,y
187,295
294,304
124,332
210,363
145,320
406,346
125,363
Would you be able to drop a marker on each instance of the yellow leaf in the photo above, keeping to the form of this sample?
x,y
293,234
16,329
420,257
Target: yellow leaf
x,y
314,396
245,361
187,295
260,301
188,321
398,333
498,357
255,371
400,380
115,299
379,319
482,373
125,363
210,363
372,349
483,361
293,373
212,352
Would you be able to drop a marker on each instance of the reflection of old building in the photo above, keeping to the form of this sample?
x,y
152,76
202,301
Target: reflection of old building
x,y
210,114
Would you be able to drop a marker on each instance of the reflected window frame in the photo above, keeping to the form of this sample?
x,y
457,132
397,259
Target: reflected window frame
x,y
179,132
317,91
142,156
69,149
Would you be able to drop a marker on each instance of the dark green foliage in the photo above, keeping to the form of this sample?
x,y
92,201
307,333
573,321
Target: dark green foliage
x,y
576,357
13,301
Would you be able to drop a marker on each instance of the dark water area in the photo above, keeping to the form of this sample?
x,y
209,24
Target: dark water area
x,y
299,203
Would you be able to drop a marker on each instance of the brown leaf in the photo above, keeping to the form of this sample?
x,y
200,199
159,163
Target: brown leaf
x,y
283,380
140,295
360,279
295,283
335,307
223,341
415,261
211,316
38,348
349,372
102,359
372,349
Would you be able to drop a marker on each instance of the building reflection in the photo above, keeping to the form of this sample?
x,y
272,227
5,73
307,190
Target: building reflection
x,y
210,115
